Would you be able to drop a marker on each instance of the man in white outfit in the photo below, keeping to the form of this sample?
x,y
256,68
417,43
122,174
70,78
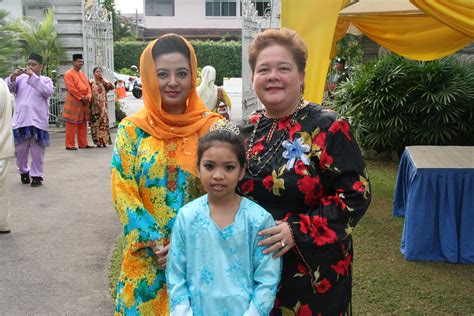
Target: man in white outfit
x,y
6,152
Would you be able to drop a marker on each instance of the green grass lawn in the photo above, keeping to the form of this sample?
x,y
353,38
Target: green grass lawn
x,y
384,282
115,265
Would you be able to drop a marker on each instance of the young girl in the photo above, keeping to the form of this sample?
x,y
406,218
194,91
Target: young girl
x,y
215,266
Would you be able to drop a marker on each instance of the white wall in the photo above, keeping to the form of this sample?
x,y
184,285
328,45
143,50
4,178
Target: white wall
x,y
192,14
233,87
14,7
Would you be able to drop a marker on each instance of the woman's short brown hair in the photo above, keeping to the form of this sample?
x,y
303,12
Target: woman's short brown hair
x,y
283,37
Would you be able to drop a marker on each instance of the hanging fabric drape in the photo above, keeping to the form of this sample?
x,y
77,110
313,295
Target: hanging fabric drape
x,y
457,14
415,36
342,26
315,21
418,37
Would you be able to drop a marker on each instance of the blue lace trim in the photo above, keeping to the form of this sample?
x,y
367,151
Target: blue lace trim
x,y
24,133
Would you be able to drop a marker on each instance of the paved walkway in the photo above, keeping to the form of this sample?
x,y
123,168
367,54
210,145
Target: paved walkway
x,y
56,258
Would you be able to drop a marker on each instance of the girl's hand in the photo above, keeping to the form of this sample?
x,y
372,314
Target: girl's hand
x,y
280,240
161,255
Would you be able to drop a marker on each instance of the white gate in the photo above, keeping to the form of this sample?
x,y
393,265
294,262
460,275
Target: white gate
x,y
99,45
251,25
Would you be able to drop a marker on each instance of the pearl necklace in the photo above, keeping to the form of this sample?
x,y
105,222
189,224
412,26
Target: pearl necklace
x,y
273,148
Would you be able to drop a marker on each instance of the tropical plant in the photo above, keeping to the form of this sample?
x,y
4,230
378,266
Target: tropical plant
x,y
395,102
123,31
41,38
121,28
350,49
9,45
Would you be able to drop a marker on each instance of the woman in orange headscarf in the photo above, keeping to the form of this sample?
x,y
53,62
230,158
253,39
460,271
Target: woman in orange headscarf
x,y
154,170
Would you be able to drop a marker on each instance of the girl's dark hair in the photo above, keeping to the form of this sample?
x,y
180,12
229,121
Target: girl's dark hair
x,y
95,68
222,136
170,43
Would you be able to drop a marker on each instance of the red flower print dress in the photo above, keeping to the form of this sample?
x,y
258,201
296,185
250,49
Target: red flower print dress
x,y
307,170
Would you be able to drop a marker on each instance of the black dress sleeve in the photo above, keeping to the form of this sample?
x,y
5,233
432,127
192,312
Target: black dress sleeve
x,y
343,190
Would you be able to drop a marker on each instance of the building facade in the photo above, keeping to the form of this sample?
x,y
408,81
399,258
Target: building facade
x,y
198,19
13,7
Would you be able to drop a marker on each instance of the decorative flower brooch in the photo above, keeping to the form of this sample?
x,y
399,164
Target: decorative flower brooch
x,y
295,150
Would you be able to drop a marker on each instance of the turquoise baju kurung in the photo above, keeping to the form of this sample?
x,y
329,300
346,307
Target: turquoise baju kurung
x,y
221,271
148,188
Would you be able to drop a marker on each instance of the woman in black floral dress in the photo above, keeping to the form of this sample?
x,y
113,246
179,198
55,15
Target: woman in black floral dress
x,y
305,168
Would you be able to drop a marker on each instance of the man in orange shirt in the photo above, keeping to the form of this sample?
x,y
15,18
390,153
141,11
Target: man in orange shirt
x,y
76,108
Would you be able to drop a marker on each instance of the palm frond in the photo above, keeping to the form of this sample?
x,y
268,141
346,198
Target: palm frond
x,y
397,102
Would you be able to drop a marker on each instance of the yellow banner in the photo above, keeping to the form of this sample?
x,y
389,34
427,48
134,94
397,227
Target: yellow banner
x,y
315,21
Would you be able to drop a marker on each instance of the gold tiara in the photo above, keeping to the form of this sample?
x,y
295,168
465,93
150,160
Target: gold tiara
x,y
226,126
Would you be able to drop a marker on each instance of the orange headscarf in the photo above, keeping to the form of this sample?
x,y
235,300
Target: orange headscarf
x,y
185,129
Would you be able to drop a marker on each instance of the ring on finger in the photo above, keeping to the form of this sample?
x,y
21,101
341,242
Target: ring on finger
x,y
282,244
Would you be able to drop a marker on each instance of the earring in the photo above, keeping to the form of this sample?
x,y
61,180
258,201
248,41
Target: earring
x,y
301,94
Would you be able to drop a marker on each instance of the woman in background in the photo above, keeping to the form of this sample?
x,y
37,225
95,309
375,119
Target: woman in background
x,y
214,97
99,109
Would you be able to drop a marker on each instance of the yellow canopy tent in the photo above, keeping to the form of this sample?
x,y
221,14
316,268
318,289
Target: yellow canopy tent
x,y
399,25
315,21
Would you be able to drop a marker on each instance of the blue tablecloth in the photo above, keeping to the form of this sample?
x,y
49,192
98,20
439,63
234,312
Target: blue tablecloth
x,y
438,206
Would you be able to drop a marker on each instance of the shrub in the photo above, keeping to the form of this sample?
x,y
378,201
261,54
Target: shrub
x,y
127,54
126,71
395,102
225,57
119,113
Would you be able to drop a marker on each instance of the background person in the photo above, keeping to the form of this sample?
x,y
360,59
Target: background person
x,y
154,170
214,97
99,117
341,71
216,233
305,168
31,118
76,107
6,152
340,76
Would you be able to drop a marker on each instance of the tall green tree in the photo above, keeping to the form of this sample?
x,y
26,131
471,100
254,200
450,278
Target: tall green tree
x,y
110,6
9,45
41,38
122,28
350,49
123,32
